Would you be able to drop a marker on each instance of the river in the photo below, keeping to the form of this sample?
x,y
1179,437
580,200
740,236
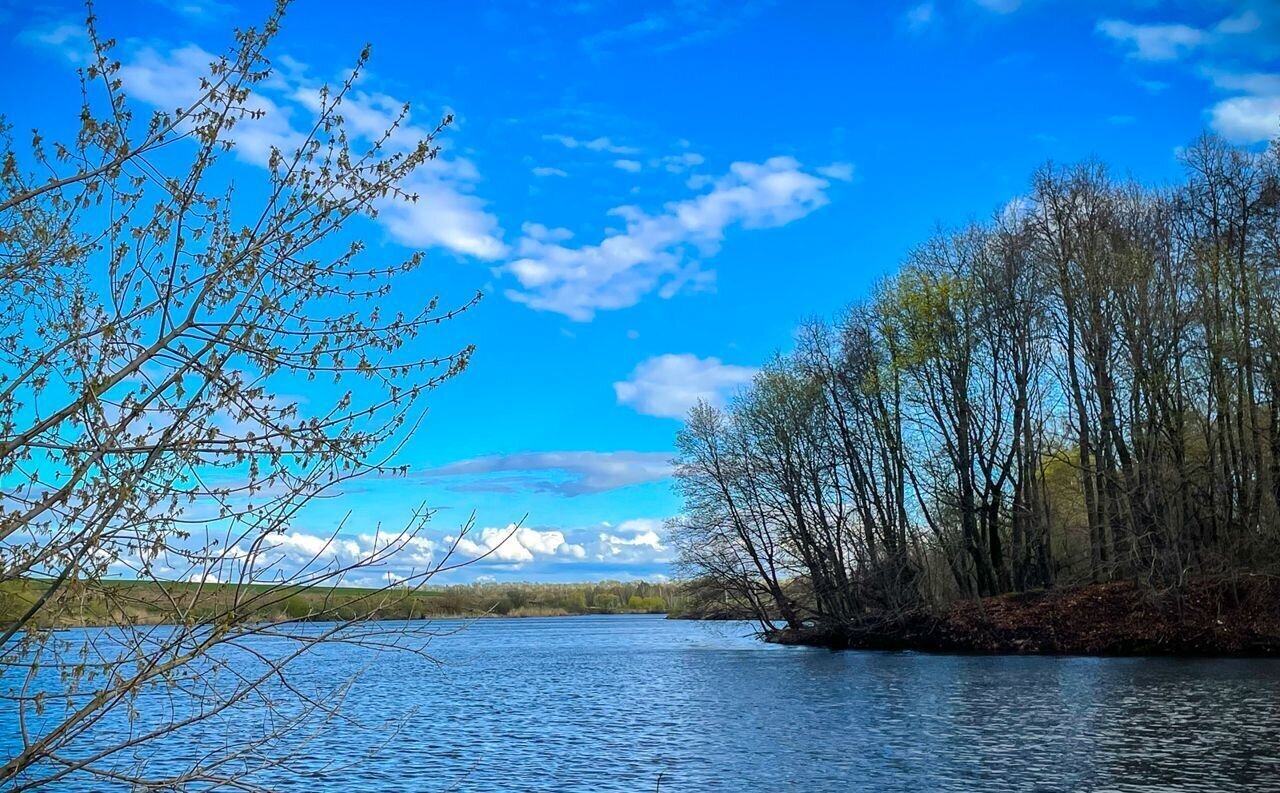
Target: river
x,y
640,703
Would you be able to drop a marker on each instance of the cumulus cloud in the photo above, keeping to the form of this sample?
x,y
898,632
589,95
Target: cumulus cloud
x,y
632,541
447,214
565,473
1254,114
512,545
630,166
1247,119
363,558
373,558
669,385
649,254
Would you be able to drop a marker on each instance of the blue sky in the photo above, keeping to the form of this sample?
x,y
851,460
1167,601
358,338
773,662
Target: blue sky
x,y
653,195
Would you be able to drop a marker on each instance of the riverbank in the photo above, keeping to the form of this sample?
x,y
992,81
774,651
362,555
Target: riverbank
x,y
119,602
1219,618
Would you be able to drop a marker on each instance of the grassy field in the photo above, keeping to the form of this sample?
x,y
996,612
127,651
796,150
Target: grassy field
x,y
147,602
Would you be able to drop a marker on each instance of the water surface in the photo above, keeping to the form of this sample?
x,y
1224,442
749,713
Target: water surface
x,y
640,703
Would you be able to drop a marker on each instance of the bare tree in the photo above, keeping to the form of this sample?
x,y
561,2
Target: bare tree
x,y
1084,389
157,320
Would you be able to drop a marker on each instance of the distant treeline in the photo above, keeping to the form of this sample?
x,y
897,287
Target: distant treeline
x,y
1084,389
151,602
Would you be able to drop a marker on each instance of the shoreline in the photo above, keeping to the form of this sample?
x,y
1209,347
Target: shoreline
x,y
1239,619
148,623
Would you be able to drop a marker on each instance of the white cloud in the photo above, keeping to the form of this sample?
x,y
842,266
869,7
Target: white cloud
x,y
199,10
374,559
1245,22
1168,42
841,171
543,170
566,473
595,144
1247,119
920,17
401,557
446,213
67,40
1154,42
669,385
678,163
1253,83
649,254
518,545
310,546
1253,116
632,541
630,166
1000,6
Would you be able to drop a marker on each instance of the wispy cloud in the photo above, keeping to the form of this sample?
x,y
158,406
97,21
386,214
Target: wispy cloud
x,y
565,473
669,385
66,40
447,214
594,144
678,163
650,253
1000,6
841,171
1251,114
680,24
1171,41
198,10
1153,42
920,17
543,170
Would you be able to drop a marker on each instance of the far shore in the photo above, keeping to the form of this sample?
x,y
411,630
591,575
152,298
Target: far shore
x,y
122,602
150,621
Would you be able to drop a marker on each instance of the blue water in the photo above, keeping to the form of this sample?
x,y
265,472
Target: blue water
x,y
642,704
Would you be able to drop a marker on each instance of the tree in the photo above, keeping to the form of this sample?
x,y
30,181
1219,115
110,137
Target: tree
x,y
1084,389
157,323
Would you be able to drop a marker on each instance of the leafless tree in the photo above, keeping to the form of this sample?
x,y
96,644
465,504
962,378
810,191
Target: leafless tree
x,y
157,319
1085,388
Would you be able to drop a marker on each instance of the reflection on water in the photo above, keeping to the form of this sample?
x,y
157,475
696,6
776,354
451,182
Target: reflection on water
x,y
617,703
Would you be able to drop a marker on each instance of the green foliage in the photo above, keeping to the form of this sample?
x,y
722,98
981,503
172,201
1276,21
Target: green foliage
x,y
297,607
649,605
145,602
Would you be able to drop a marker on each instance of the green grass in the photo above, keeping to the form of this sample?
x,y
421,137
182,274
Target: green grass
x,y
148,602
